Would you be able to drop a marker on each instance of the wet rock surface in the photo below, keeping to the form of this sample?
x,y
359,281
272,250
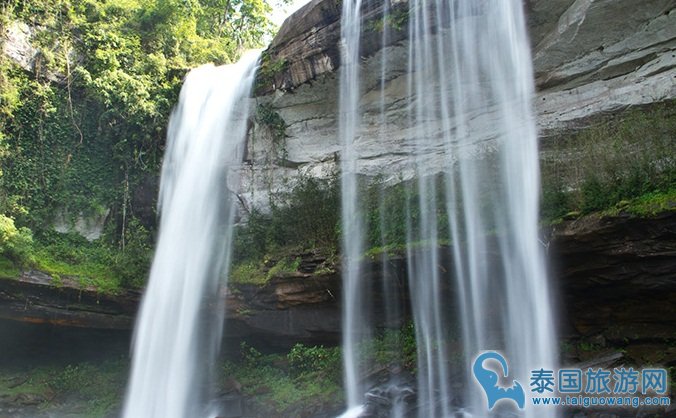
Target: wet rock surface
x,y
391,399
569,50
36,297
286,311
616,276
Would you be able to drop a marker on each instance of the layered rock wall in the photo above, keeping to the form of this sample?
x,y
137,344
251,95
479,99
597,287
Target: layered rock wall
x,y
589,57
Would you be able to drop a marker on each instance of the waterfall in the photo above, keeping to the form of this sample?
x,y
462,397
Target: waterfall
x,y
178,330
474,159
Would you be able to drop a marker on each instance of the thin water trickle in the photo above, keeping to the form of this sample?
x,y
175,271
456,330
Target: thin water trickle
x,y
352,222
177,334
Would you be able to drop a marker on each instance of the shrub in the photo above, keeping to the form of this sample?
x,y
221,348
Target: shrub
x,y
303,359
305,216
284,267
16,243
132,263
306,378
248,273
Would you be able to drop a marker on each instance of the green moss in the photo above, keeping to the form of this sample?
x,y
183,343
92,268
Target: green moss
x,y
89,271
649,204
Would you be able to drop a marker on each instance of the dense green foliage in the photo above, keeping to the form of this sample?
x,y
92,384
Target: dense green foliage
x,y
96,263
619,158
306,216
301,219
84,128
15,243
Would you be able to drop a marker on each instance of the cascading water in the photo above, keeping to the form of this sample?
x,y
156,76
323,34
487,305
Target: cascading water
x,y
475,164
178,330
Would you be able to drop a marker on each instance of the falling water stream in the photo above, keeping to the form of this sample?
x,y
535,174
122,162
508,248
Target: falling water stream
x,y
177,333
473,200
351,214
470,85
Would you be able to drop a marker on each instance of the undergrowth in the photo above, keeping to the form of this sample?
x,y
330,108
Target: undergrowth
x,y
305,378
93,389
99,264
625,161
308,379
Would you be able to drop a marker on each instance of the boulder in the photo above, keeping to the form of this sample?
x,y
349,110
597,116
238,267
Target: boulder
x,y
17,45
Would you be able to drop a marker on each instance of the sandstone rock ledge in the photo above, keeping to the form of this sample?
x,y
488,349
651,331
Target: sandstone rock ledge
x,y
36,297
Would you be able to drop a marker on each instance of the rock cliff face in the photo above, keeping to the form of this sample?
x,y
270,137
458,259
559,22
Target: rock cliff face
x,y
589,56
617,275
17,45
614,277
617,288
